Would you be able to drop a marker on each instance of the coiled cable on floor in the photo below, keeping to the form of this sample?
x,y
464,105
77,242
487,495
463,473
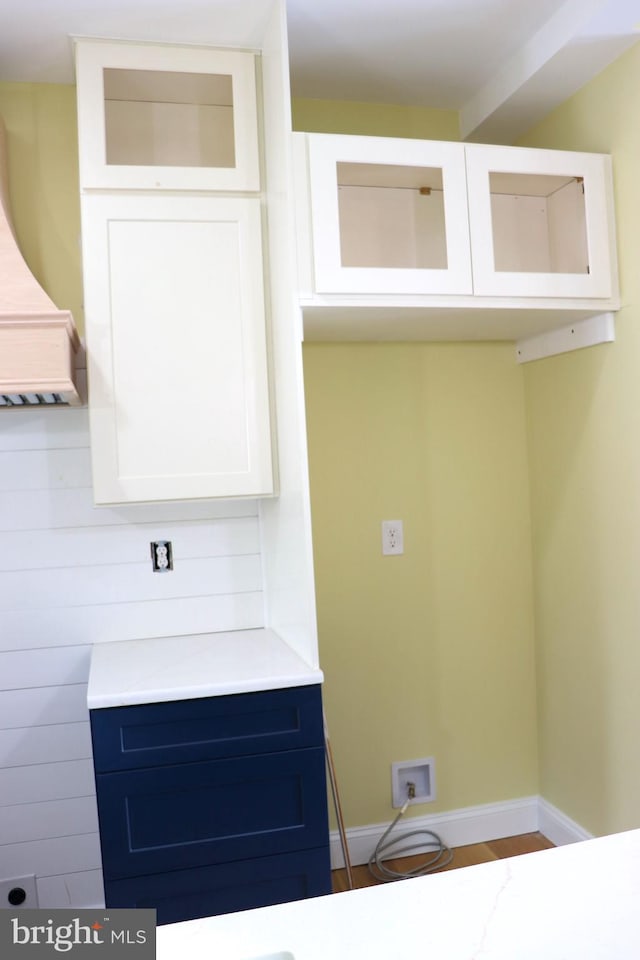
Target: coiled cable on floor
x,y
440,857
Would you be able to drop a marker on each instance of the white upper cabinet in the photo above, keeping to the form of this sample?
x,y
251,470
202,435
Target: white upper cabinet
x,y
541,222
444,220
388,216
166,117
177,365
175,285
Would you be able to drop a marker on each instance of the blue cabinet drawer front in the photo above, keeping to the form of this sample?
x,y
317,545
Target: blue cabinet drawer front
x,y
209,891
183,731
211,812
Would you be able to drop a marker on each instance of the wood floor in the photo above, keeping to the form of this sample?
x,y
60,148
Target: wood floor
x,y
462,857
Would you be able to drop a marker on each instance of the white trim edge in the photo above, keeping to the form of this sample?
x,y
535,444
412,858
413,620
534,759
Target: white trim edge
x,y
557,826
457,828
582,333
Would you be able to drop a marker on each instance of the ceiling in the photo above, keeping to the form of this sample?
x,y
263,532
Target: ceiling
x,y
501,63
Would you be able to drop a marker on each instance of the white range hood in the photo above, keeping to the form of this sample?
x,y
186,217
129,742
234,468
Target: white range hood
x,y
39,343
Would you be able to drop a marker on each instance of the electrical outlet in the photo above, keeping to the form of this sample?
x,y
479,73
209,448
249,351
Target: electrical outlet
x,y
413,780
392,537
161,556
19,893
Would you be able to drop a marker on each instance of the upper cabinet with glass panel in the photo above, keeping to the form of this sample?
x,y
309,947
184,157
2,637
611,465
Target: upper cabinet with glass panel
x,y
541,222
167,117
428,218
388,216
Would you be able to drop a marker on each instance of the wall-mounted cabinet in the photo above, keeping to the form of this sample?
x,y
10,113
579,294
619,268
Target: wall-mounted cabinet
x,y
193,331
479,242
388,217
177,358
541,222
174,275
160,117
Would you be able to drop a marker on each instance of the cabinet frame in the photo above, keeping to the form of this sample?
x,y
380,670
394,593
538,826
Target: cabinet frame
x,y
233,725
109,413
93,56
325,152
225,887
213,805
521,306
595,169
236,808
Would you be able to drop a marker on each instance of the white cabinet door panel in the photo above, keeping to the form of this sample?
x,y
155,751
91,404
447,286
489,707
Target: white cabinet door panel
x,y
153,116
388,216
176,347
541,222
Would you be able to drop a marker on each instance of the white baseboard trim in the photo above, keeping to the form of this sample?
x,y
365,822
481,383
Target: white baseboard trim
x,y
457,828
557,826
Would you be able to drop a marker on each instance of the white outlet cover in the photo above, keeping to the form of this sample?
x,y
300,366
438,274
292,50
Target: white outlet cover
x,y
27,884
392,538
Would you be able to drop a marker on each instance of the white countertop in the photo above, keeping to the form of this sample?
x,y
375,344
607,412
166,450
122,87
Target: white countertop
x,y
203,665
578,902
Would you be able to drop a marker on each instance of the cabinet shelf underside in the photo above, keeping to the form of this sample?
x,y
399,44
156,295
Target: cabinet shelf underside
x,y
443,319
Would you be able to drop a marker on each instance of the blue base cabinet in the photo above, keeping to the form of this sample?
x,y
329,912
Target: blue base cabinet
x,y
213,805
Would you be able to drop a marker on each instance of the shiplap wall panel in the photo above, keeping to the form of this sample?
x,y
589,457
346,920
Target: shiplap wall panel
x,y
70,626
53,469
130,544
23,746
24,822
115,583
51,856
78,890
44,667
40,706
52,509
45,781
46,428
72,575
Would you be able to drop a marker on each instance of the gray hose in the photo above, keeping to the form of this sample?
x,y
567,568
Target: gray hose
x,y
440,858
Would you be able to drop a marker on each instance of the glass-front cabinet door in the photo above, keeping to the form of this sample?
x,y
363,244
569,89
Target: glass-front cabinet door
x,y
169,117
541,222
388,216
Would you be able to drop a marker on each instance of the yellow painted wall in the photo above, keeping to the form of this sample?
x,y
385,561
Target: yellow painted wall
x,y
374,119
584,434
43,181
429,653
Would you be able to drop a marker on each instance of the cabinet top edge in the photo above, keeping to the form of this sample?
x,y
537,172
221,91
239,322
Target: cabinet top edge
x,y
512,149
161,669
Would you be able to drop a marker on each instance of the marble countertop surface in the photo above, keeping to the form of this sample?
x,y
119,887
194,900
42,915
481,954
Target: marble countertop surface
x,y
577,902
204,665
